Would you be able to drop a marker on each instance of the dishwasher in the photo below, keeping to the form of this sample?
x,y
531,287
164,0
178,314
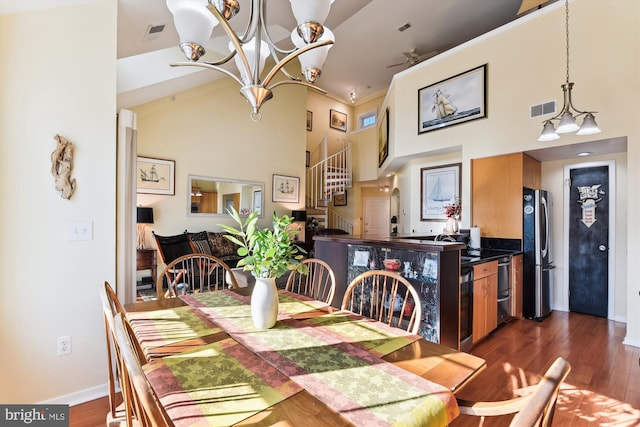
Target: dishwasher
x,y
504,289
466,308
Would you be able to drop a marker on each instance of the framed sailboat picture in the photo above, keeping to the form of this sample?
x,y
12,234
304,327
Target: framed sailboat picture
x,y
452,101
285,188
155,176
439,188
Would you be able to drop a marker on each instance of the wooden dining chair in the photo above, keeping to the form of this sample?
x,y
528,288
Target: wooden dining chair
x,y
195,273
319,283
142,403
533,410
385,296
111,307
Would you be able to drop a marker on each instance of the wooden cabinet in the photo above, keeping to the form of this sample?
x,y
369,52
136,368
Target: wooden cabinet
x,y
146,259
485,299
516,290
496,193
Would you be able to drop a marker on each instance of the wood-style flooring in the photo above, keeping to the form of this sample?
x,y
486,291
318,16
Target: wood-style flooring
x,y
603,388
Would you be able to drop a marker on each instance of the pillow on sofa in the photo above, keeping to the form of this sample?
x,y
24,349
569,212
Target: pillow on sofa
x,y
201,242
223,248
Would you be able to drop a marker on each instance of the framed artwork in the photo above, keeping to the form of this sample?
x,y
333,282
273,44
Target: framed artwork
x,y
383,138
338,120
307,161
439,187
340,199
309,120
452,101
155,176
286,189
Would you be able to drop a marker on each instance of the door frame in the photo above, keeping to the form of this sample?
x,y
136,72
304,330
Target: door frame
x,y
612,230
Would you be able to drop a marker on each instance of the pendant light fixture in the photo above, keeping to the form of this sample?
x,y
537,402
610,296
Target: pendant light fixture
x,y
196,19
567,116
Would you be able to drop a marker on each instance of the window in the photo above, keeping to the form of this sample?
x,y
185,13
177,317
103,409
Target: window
x,y
367,119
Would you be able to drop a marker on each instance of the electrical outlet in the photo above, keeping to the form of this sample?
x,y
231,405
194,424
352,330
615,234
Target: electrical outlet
x,y
64,345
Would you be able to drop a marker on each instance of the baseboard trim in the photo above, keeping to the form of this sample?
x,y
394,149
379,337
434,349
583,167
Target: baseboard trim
x,y
78,397
631,342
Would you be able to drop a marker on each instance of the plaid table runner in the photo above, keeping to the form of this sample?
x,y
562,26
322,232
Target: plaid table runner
x,y
159,328
335,366
219,384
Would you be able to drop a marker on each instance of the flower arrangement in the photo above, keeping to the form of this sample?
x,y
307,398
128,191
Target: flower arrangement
x,y
267,253
454,210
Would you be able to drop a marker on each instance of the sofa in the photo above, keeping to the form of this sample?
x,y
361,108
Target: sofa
x,y
214,243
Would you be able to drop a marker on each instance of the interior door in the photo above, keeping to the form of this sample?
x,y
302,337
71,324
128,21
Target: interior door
x,y
589,203
376,216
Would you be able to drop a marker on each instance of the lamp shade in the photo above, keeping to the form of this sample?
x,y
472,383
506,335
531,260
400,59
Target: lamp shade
x,y
299,216
144,215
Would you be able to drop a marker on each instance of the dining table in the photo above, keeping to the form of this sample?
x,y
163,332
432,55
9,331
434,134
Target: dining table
x,y
318,366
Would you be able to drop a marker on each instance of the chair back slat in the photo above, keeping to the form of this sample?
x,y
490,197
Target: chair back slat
x,y
387,297
195,272
319,283
141,401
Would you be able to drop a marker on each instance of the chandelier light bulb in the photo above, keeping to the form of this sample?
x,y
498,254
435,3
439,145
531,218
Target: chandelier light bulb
x,y
589,126
567,123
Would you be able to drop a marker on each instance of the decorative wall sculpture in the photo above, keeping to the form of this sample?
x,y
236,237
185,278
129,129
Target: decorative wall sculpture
x,y
62,166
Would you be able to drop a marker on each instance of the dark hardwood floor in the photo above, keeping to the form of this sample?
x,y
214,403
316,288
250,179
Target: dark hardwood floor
x,y
603,387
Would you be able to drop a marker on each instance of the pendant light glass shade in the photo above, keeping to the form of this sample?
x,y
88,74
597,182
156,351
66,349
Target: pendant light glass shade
x,y
194,24
310,16
249,49
548,132
311,62
567,123
589,126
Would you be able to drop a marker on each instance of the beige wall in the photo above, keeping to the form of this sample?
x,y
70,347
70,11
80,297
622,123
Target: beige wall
x,y
57,76
526,66
218,139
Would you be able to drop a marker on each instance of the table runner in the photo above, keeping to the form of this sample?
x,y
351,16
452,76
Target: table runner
x,y
158,328
219,384
348,378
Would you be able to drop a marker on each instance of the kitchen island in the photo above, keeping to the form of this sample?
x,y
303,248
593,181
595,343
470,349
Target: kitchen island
x,y
432,267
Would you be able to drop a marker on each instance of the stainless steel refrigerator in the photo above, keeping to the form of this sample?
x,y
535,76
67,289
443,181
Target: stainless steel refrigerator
x,y
538,265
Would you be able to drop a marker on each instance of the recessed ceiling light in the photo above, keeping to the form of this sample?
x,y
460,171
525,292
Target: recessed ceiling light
x,y
584,153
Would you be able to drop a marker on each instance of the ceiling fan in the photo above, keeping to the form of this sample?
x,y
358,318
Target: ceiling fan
x,y
414,58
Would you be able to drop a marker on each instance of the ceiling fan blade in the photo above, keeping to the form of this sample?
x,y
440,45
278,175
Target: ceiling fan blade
x,y
397,65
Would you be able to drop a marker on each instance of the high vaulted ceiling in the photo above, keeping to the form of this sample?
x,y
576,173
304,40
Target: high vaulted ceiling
x,y
368,41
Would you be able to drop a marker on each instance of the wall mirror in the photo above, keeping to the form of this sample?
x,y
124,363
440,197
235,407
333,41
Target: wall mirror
x,y
209,196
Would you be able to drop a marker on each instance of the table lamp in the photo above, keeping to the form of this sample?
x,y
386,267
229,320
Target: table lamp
x,y
144,217
300,216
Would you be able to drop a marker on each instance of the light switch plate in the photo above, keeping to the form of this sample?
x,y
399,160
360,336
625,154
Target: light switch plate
x,y
80,230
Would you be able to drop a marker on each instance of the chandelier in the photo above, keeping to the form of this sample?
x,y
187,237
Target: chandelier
x,y
195,20
567,118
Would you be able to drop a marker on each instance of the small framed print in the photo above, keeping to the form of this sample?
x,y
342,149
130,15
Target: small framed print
x,y
439,187
309,120
286,189
383,138
155,176
338,120
340,199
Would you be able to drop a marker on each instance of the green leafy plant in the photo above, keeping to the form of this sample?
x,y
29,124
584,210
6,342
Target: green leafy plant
x,y
266,253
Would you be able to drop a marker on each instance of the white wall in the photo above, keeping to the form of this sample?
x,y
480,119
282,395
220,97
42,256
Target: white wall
x,y
526,66
57,76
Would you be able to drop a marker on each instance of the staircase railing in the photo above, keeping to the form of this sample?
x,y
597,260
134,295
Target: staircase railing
x,y
335,220
330,175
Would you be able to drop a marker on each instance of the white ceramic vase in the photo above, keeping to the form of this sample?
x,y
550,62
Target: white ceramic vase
x,y
264,303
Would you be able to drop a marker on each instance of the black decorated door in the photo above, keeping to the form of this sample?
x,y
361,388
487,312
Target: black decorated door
x,y
589,240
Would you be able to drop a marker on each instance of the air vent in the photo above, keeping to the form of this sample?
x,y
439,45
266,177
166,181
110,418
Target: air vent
x,y
154,31
404,27
548,107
